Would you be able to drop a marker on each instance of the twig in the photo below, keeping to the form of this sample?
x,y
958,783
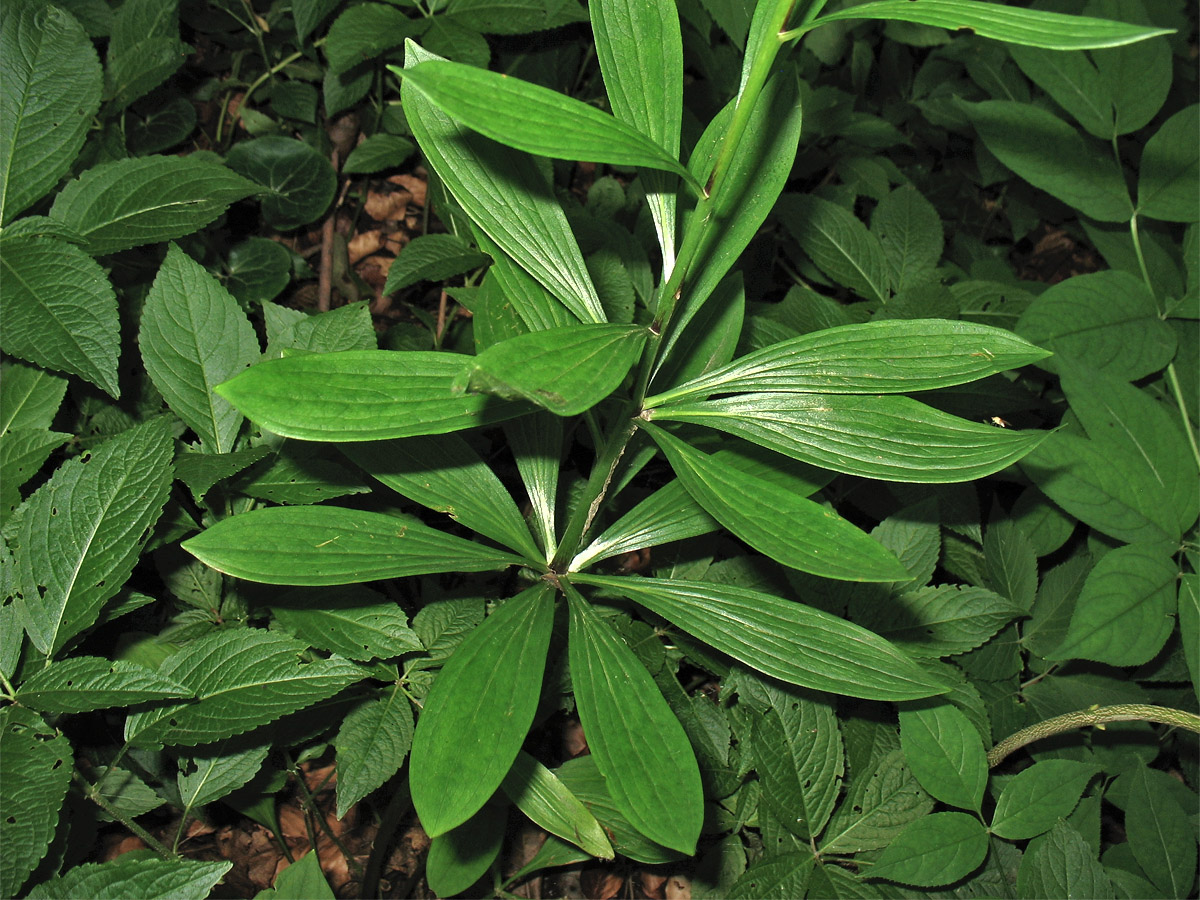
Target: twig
x,y
325,275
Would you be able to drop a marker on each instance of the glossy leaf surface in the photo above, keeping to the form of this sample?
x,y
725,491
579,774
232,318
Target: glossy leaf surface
x,y
546,800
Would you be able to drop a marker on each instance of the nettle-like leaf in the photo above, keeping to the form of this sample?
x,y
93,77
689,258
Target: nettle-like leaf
x,y
134,877
371,745
479,711
86,683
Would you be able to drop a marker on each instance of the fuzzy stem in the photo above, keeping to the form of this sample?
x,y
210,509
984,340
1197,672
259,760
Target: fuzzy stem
x,y
93,793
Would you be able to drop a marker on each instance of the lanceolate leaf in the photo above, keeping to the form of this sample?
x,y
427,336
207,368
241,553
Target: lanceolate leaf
x,y
479,710
838,243
80,534
640,747
786,640
536,119
1030,27
506,195
894,438
371,745
443,473
816,539
193,337
1039,796
362,395
547,801
880,357
318,545
566,370
537,445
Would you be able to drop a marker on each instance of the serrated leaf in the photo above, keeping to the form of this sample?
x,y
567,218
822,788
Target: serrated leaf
x,y
1033,28
507,196
37,763
936,850
29,397
817,540
443,473
86,683
535,119
301,880
243,678
364,32
299,181
431,257
910,233
838,243
22,453
81,533
539,794
639,746
783,639
59,310
1160,835
132,202
371,745
1123,614
326,545
566,370
1061,864
783,877
929,622
882,801
362,395
376,153
352,621
200,471
889,437
945,753
217,773
134,875
479,711
52,82
136,71
1037,797
1011,563
1170,171
879,357
194,336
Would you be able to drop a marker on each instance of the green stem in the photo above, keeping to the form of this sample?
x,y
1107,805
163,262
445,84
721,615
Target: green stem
x,y
315,813
92,793
1098,716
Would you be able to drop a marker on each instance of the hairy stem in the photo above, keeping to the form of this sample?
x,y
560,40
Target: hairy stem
x,y
1098,716
92,792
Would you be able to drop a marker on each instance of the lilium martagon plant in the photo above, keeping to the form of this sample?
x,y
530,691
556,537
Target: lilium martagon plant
x,y
752,440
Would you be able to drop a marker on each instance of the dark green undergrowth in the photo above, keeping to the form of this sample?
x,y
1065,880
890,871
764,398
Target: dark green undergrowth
x,y
727,399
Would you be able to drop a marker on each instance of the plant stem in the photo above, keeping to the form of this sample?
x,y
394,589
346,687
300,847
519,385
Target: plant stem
x,y
1098,716
398,806
92,793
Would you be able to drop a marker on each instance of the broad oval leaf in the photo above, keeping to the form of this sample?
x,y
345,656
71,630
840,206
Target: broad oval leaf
x,y
1030,27
566,370
300,182
460,857
887,437
321,545
548,802
1169,178
1039,796
933,851
783,639
880,357
816,539
479,711
220,771
535,119
362,395
945,752
639,746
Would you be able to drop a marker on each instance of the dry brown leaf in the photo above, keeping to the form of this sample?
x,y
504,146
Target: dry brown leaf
x,y
364,244
391,207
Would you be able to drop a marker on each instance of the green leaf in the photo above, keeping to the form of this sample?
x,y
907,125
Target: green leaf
x,y
353,622
308,14
37,762
134,875
1160,835
566,370
881,803
547,801
371,745
194,336
910,233
22,454
669,514
301,880
507,196
879,357
1189,624
86,683
784,877
132,202
817,540
1011,563
535,119
536,308
443,473
945,752
479,711
1052,156
1061,864
51,90
243,678
218,773
135,72
1123,614
1074,83
323,545
258,270
933,851
894,438
376,153
1034,801
298,474
713,335
345,328
29,396
431,257
362,395
80,534
299,181
1137,76
640,748
460,857
514,16
838,243
200,471
946,620
786,640
1033,28
364,32
537,446
59,310
1108,319
1170,170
